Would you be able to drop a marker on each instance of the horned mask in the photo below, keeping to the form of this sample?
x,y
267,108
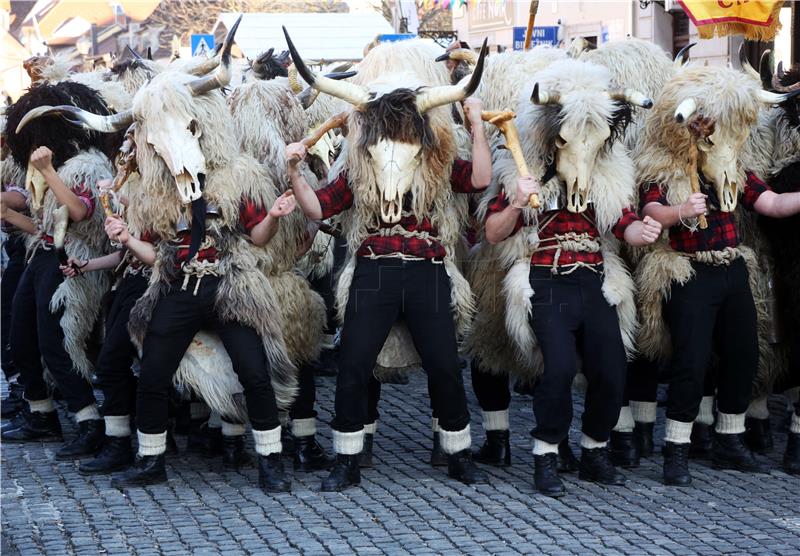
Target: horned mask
x,y
394,154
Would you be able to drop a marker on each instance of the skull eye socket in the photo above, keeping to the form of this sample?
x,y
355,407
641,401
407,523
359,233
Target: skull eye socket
x,y
560,142
705,144
194,128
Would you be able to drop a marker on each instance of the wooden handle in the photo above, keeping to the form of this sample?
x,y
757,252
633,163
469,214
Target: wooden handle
x,y
334,122
534,7
701,220
106,202
504,121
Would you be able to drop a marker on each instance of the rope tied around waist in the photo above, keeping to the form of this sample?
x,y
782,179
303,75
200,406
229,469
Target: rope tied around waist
x,y
398,230
576,243
723,257
199,270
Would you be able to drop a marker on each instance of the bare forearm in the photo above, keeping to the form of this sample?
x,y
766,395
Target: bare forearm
x,y
501,224
481,158
21,221
142,250
778,205
667,215
305,195
13,200
65,196
264,231
106,262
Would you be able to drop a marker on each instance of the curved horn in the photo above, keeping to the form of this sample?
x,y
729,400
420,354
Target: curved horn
x,y
765,70
222,75
631,96
682,56
745,63
439,96
442,57
266,55
543,97
685,110
149,53
777,98
310,94
778,86
349,92
87,120
459,55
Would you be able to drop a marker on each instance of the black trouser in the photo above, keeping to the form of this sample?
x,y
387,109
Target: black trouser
x,y
383,290
303,406
716,304
36,334
571,314
641,384
490,388
177,317
116,357
14,247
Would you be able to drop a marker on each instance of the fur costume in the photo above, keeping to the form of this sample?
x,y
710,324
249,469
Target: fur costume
x,y
500,273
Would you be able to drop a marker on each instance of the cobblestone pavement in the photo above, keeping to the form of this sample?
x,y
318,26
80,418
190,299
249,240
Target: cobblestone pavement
x,y
403,507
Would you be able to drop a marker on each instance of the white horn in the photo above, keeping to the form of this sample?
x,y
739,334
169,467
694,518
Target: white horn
x,y
439,96
685,110
776,98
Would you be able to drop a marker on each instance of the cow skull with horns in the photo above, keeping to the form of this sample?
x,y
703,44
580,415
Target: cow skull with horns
x,y
396,122
166,117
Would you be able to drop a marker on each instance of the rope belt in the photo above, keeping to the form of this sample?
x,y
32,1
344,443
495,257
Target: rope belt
x,y
398,230
576,243
198,270
715,258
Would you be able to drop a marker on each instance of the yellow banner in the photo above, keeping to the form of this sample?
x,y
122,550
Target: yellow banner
x,y
756,19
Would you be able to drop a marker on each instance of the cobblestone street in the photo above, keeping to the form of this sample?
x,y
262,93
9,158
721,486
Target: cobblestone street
x,y
403,507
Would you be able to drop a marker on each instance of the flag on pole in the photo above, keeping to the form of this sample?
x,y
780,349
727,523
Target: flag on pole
x,y
755,19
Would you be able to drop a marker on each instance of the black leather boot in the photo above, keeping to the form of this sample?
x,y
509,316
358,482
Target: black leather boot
x,y
523,387
271,476
115,455
545,475
17,421
701,441
596,467
88,442
14,403
758,435
346,472
146,470
461,467
791,459
205,441
309,455
730,452
234,456
567,462
622,450
438,457
643,439
287,441
496,449
365,457
676,464
35,426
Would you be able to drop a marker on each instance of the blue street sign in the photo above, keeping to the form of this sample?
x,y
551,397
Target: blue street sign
x,y
388,37
202,44
541,35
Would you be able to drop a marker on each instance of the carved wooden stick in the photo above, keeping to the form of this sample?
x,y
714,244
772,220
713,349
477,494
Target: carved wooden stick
x,y
700,128
504,121
701,220
339,120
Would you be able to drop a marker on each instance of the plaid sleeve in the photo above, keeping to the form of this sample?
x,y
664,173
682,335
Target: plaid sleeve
x,y
753,190
335,197
651,193
499,204
148,236
461,177
628,218
85,196
250,214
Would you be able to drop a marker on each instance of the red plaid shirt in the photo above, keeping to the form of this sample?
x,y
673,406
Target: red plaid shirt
x,y
85,196
562,222
721,231
250,215
337,197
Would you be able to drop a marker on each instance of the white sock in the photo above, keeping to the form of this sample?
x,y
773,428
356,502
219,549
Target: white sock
x,y
453,442
435,425
198,411
730,423
304,427
233,429
152,444
214,420
495,420
643,412
118,426
42,406
348,443
540,447
705,416
371,428
758,408
678,432
88,413
590,443
794,428
625,422
268,442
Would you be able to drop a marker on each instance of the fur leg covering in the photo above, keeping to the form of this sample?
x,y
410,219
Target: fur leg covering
x,y
730,423
678,432
348,443
455,441
267,442
152,444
